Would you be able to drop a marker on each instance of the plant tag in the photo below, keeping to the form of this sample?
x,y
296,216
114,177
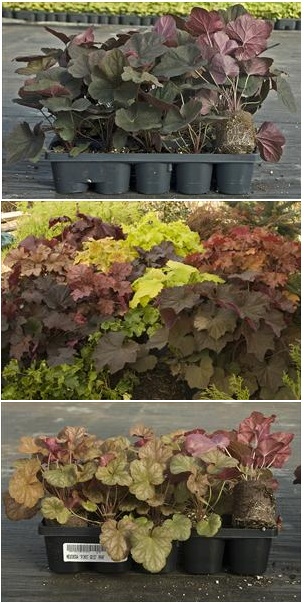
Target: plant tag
x,y
86,552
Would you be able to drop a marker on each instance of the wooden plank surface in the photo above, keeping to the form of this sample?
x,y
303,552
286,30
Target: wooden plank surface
x,y
270,181
25,575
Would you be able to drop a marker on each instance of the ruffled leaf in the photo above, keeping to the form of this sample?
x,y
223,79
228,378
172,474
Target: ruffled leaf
x,y
53,508
209,526
24,485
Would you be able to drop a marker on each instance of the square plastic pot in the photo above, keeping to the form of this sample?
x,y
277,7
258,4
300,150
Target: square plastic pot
x,y
201,555
153,178
234,176
72,550
238,550
110,173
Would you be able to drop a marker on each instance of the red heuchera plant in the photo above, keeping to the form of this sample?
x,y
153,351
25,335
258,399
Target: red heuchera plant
x,y
267,449
252,444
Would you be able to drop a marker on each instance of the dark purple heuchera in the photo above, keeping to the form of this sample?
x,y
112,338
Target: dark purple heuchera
x,y
151,90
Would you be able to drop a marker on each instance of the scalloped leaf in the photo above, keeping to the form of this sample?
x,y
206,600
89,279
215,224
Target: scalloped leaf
x,y
180,60
24,143
28,445
53,508
151,549
143,48
139,116
115,537
180,526
182,463
24,486
198,376
145,474
63,477
115,473
15,511
112,350
209,526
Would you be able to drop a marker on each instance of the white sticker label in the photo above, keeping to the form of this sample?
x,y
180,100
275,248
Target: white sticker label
x,y
86,552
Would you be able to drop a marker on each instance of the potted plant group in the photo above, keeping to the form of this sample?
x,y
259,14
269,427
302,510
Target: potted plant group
x,y
234,502
174,101
105,502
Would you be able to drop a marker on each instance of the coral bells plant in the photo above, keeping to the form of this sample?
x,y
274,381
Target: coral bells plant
x,y
188,85
145,493
258,451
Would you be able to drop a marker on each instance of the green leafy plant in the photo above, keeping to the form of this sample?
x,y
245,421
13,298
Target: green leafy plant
x,y
147,494
267,10
75,479
77,381
237,391
282,217
293,381
185,86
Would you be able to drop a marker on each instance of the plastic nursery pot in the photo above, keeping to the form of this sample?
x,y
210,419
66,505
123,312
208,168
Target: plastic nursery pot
x,y
248,552
171,563
153,178
234,173
71,550
75,174
202,555
193,178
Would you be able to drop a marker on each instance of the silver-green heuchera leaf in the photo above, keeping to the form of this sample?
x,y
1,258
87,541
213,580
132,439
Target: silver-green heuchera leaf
x,y
209,526
53,508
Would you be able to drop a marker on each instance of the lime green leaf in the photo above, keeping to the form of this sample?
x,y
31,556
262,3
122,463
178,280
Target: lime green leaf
x,y
146,474
180,526
151,550
89,506
53,508
63,477
115,473
209,526
181,463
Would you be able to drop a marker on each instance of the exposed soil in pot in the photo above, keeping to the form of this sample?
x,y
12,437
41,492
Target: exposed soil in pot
x,y
160,384
253,506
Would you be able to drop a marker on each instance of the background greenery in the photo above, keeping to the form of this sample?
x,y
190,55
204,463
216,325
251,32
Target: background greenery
x,y
270,10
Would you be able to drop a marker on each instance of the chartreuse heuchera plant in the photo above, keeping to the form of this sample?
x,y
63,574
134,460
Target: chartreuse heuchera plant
x,y
145,494
189,85
99,307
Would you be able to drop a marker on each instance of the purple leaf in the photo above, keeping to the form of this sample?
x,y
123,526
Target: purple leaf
x,y
197,444
59,34
257,66
223,43
251,35
222,66
87,37
202,21
165,27
270,142
208,98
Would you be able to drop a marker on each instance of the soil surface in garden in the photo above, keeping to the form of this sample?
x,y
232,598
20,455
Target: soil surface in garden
x,y
160,384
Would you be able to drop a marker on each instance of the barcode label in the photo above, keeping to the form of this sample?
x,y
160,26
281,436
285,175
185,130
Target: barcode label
x,y
86,552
